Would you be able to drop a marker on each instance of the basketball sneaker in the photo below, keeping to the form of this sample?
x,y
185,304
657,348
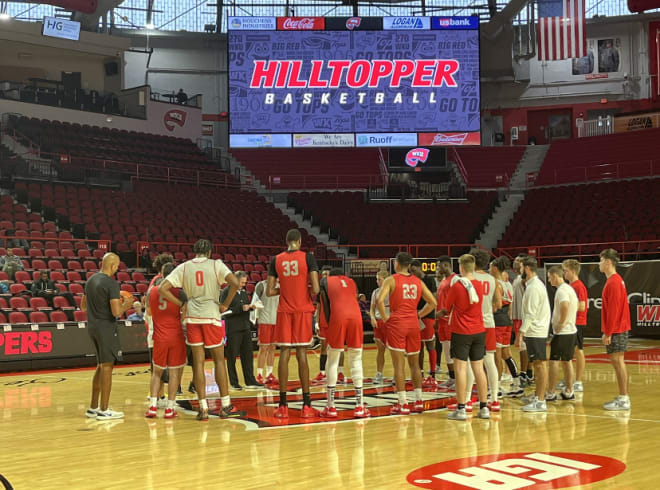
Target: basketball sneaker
x,y
551,397
378,379
494,406
619,403
320,379
91,413
454,406
329,413
170,413
270,379
152,413
535,405
429,382
191,388
309,412
448,385
260,379
282,412
162,402
565,395
341,379
484,413
109,415
418,407
515,391
578,387
458,414
361,412
203,415
561,385
400,409
230,411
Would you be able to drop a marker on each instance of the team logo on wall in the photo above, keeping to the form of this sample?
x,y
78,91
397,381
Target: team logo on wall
x,y
648,312
532,471
353,22
174,118
417,156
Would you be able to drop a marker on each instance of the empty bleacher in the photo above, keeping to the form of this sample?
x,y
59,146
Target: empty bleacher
x,y
489,167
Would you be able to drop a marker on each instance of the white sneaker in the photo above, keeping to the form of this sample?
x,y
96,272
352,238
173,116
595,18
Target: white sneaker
x,y
526,400
484,413
162,402
561,385
378,379
578,387
619,403
506,378
535,406
91,413
458,414
109,415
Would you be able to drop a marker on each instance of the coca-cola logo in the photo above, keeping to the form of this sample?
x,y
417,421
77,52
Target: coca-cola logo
x,y
301,23
15,343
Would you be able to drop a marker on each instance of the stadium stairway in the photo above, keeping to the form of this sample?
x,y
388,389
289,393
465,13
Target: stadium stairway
x,y
530,163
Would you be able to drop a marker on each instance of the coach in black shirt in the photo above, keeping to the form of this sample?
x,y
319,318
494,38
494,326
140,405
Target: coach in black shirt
x,y
103,305
239,336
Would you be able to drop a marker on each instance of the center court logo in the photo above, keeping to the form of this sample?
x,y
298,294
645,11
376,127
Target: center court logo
x,y
532,471
417,156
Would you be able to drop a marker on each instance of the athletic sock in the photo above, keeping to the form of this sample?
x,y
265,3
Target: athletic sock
x,y
451,373
418,394
331,396
433,357
307,399
460,406
269,370
402,397
324,360
340,369
379,374
483,404
225,401
260,372
530,373
171,404
203,404
513,368
153,400
282,398
358,397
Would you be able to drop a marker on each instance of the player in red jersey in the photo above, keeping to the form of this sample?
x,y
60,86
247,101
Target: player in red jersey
x,y
403,334
342,312
295,270
377,323
572,274
169,345
442,317
468,336
615,324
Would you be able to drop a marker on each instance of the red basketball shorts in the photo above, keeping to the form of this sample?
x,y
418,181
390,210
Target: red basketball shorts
x,y
323,331
380,332
266,333
491,340
347,331
169,353
404,339
429,329
205,334
444,334
503,336
293,329
516,326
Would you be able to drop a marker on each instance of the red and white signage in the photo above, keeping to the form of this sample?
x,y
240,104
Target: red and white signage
x,y
300,23
173,118
449,139
531,471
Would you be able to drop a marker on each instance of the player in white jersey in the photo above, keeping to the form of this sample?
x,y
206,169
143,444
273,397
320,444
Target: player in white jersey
x,y
266,317
516,313
201,279
380,333
492,302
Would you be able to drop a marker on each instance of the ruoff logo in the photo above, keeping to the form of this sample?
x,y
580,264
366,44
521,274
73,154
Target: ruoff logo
x,y
174,117
533,471
353,22
417,156
301,23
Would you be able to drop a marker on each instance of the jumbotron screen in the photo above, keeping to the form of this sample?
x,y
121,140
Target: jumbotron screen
x,y
304,82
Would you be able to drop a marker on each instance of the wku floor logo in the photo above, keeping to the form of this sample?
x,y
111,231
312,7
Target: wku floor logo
x,y
531,471
260,408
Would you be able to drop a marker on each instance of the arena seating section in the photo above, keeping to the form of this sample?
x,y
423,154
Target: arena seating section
x,y
616,156
353,221
588,213
490,167
353,168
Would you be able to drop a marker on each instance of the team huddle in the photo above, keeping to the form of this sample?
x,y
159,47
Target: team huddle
x,y
476,316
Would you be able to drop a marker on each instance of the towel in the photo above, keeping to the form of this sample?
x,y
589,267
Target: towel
x,y
472,293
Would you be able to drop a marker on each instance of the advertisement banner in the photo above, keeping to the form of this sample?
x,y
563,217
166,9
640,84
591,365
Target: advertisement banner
x,y
260,140
458,22
323,140
641,280
252,23
386,139
300,23
624,124
351,23
406,23
450,139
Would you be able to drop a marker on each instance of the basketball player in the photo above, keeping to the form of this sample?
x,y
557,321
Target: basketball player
x,y
322,333
615,325
403,336
468,337
534,331
516,310
571,269
266,318
380,332
103,304
344,319
428,333
492,301
295,269
503,325
442,315
201,279
562,346
169,345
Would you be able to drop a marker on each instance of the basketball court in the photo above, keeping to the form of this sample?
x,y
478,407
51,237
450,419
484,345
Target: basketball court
x,y
48,442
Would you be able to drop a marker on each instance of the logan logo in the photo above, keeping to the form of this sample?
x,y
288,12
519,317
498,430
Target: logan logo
x,y
353,22
175,117
533,471
417,156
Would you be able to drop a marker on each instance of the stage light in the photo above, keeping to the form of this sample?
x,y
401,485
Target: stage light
x,y
149,26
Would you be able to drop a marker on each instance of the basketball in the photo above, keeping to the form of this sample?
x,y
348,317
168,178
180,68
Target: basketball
x,y
126,294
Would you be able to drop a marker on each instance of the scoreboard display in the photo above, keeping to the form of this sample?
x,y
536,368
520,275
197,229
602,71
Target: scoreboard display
x,y
300,82
429,266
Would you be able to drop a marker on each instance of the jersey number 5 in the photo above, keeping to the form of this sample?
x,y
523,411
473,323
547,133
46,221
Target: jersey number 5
x,y
409,291
290,268
162,303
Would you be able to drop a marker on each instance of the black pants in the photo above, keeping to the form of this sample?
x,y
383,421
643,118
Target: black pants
x,y
240,344
49,297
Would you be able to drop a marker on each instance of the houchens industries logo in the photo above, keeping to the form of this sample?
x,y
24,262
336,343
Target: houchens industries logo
x,y
531,471
417,156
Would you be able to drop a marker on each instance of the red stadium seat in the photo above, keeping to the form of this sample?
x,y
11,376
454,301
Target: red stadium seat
x,y
17,317
91,266
55,265
17,288
58,317
61,302
39,264
22,276
3,318
137,277
76,288
141,287
74,265
18,303
123,276
127,287
73,276
57,276
80,316
38,317
39,304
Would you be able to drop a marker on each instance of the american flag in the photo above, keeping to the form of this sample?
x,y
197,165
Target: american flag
x,y
562,32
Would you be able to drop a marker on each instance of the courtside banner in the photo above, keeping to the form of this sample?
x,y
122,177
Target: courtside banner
x,y
406,23
450,139
352,23
301,23
643,286
252,23
326,140
466,22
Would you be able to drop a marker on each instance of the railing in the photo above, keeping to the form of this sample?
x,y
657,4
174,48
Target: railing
x,y
460,165
596,127
416,250
626,249
302,182
4,237
607,171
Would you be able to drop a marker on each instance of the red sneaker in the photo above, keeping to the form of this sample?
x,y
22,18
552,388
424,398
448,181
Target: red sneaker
x,y
282,412
400,409
260,379
319,380
429,382
151,413
494,406
340,379
270,379
170,413
329,413
309,412
361,412
418,407
454,406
